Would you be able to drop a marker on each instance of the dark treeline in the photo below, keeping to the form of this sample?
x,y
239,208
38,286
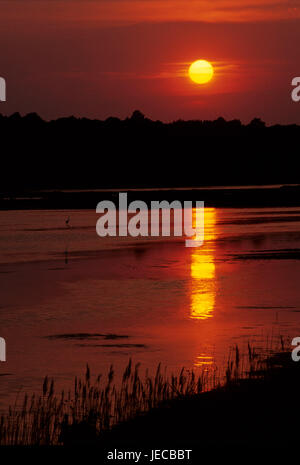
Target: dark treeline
x,y
138,152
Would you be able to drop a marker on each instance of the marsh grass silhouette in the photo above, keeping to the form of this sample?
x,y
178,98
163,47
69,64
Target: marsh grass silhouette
x,y
99,411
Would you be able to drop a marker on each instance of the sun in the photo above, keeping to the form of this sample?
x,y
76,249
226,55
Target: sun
x,y
201,71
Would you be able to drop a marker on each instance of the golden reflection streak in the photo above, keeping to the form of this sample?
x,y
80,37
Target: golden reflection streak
x,y
204,359
203,270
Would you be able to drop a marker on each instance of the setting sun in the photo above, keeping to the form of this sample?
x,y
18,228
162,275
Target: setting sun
x,y
201,71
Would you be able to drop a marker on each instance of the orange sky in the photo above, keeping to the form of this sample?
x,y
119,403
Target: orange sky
x,y
108,57
153,10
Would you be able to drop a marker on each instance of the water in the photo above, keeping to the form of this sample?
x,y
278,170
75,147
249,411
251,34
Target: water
x,y
69,298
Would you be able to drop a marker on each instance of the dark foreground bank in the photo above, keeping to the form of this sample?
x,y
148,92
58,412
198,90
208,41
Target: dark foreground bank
x,y
261,411
256,407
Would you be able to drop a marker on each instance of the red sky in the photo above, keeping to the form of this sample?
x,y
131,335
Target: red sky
x,y
109,57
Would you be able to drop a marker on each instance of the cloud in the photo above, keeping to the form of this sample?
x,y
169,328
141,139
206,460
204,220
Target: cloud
x,y
116,11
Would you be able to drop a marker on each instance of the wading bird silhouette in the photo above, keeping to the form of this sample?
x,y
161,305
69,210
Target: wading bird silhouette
x,y
68,222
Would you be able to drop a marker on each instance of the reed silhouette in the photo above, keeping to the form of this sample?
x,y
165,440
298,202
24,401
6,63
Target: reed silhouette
x,y
251,402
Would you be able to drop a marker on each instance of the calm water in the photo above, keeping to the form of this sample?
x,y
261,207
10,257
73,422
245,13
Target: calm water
x,y
152,300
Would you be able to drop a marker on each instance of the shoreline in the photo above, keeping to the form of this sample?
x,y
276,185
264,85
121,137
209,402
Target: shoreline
x,y
175,412
226,415
226,197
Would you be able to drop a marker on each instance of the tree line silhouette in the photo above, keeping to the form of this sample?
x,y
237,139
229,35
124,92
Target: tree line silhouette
x,y
81,153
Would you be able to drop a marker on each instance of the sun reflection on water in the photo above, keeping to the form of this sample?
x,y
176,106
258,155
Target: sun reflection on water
x,y
203,359
203,271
